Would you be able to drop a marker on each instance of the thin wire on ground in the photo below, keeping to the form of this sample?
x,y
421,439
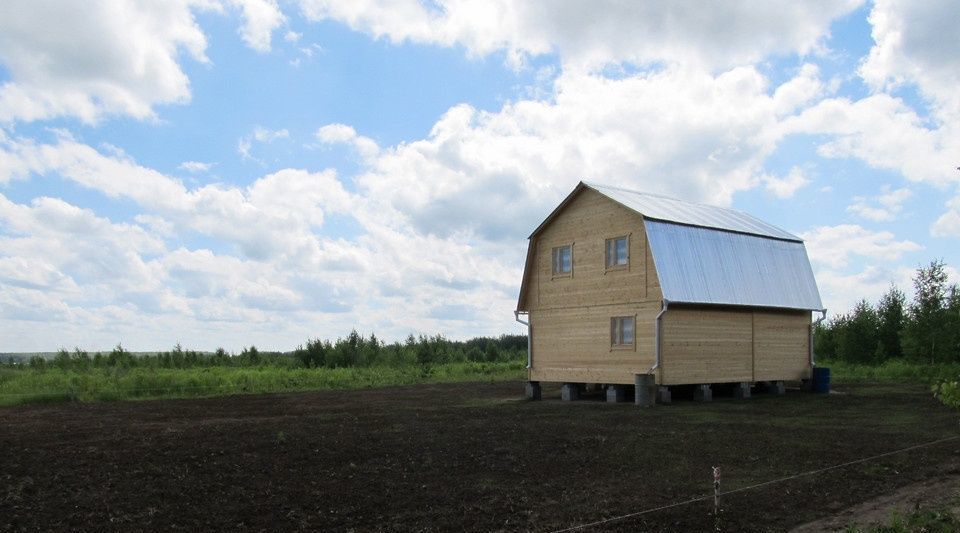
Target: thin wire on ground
x,y
758,485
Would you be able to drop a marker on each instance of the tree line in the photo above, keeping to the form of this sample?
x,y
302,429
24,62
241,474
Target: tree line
x,y
926,329
354,350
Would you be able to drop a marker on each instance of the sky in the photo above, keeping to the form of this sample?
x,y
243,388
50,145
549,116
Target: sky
x,y
226,173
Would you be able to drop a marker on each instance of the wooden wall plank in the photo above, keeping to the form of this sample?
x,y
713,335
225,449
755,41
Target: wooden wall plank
x,y
782,345
586,223
706,346
578,340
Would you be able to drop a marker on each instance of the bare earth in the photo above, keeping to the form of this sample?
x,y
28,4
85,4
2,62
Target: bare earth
x,y
933,493
470,457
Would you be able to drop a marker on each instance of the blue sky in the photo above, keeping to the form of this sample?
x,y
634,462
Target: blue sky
x,y
236,172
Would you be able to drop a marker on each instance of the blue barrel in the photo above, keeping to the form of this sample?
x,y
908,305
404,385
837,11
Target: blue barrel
x,y
821,379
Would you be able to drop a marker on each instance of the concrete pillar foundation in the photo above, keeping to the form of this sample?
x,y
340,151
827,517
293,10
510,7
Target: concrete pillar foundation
x,y
663,395
616,393
778,387
741,391
703,393
532,390
570,392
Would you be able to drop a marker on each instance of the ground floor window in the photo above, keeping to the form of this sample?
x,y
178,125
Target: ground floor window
x,y
622,330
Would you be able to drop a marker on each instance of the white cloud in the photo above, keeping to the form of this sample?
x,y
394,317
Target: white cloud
x,y
948,224
788,185
890,204
591,34
195,166
97,58
261,135
261,18
273,216
917,42
74,247
292,36
266,135
841,291
833,246
526,156
341,133
885,133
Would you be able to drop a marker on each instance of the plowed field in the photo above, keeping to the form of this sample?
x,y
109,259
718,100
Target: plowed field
x,y
460,457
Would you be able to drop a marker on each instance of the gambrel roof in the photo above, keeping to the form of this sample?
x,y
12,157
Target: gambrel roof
x,y
712,255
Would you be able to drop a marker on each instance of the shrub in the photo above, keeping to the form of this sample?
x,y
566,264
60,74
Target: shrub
x,y
948,392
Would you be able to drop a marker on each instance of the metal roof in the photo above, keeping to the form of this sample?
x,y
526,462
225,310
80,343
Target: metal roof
x,y
656,207
703,265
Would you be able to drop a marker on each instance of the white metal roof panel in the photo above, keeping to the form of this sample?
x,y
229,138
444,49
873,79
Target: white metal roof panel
x,y
680,212
702,265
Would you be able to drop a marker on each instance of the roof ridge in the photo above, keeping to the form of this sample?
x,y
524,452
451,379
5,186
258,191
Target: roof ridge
x,y
677,211
665,197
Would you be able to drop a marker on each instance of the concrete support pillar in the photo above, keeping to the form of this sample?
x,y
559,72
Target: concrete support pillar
x,y
532,390
570,392
703,393
778,388
616,393
741,391
663,395
645,387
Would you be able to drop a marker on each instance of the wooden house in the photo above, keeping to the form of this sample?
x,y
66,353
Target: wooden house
x,y
620,285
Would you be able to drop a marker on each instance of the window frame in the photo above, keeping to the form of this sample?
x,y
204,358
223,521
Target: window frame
x,y
555,261
606,253
616,332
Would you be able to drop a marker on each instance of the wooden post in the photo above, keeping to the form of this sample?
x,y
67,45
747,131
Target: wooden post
x,y
716,490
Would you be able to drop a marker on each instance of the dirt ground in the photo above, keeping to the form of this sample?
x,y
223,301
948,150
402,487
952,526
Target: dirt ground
x,y
935,493
461,457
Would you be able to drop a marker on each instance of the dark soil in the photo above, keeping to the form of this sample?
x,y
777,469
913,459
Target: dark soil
x,y
459,457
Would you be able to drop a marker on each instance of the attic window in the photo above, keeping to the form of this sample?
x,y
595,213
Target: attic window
x,y
563,260
618,252
622,331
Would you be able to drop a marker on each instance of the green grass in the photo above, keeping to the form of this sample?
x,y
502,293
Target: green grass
x,y
898,370
932,521
23,386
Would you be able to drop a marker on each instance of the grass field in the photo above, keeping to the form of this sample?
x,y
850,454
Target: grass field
x,y
23,385
914,372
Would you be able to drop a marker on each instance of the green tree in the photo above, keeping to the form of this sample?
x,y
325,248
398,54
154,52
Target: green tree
x,y
825,338
953,323
62,359
857,335
891,315
925,336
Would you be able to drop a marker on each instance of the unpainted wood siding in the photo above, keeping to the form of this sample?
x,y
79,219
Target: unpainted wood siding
x,y
585,224
706,346
781,345
717,345
573,344
570,314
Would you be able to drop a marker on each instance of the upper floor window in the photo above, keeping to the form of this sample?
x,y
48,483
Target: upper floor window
x,y
618,252
562,260
622,330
